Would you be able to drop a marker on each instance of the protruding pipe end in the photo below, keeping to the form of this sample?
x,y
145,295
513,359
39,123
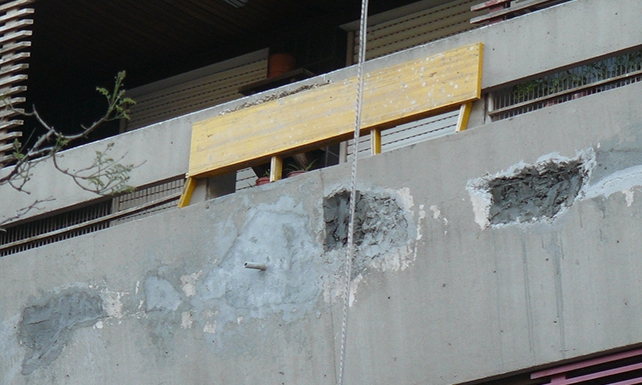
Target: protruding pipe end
x,y
256,266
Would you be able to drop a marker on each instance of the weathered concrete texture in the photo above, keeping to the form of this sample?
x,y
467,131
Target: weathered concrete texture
x,y
220,296
161,295
279,236
48,326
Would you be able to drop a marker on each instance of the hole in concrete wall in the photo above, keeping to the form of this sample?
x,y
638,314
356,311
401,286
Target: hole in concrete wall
x,y
380,225
535,192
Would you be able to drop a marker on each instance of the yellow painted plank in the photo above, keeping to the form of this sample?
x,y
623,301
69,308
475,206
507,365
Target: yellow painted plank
x,y
392,95
464,116
375,141
276,168
188,190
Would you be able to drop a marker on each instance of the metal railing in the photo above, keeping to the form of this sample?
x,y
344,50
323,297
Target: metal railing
x,y
505,9
623,368
124,208
562,86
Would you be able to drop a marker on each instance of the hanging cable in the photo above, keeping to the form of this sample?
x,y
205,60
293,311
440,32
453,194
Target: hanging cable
x,y
363,26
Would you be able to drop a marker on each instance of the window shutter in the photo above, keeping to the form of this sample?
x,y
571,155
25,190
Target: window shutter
x,y
194,90
417,28
14,44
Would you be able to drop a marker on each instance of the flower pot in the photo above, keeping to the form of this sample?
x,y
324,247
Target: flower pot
x,y
295,173
280,63
263,180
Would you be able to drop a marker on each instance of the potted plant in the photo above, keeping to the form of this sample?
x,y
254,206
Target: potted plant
x,y
265,179
294,169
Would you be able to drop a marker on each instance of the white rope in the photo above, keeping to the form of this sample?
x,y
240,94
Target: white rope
x,y
353,186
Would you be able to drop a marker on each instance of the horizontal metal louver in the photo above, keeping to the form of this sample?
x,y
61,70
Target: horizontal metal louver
x,y
52,229
143,202
245,178
15,24
566,85
417,28
208,90
615,369
144,196
409,133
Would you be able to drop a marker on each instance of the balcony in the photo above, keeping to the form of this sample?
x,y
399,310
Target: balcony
x,y
173,136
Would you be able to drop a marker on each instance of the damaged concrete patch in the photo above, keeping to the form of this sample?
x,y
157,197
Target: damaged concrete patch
x,y
529,193
48,326
279,237
381,225
536,192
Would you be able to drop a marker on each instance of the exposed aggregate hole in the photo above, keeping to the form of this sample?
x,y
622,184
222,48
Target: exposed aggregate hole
x,y
535,192
380,224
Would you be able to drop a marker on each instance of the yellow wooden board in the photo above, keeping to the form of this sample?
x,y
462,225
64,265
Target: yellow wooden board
x,y
392,95
188,190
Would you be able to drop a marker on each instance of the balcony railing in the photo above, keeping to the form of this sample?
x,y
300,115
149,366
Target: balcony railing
x,y
123,208
569,84
506,9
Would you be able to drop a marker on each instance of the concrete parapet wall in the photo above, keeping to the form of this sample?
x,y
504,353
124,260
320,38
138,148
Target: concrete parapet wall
x,y
440,293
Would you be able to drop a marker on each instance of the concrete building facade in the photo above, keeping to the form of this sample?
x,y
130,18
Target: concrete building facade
x,y
483,255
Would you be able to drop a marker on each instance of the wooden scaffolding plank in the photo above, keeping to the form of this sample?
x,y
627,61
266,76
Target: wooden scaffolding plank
x,y
186,197
464,116
291,124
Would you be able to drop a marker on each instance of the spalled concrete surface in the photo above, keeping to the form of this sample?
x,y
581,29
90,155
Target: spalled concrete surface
x,y
535,193
380,226
530,192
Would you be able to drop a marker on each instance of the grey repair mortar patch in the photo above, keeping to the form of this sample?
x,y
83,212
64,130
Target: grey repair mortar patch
x,y
530,192
46,327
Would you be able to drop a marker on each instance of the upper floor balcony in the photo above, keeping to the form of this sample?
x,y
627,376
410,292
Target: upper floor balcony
x,y
528,62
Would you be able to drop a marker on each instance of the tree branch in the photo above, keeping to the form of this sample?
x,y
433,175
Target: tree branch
x,y
104,176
